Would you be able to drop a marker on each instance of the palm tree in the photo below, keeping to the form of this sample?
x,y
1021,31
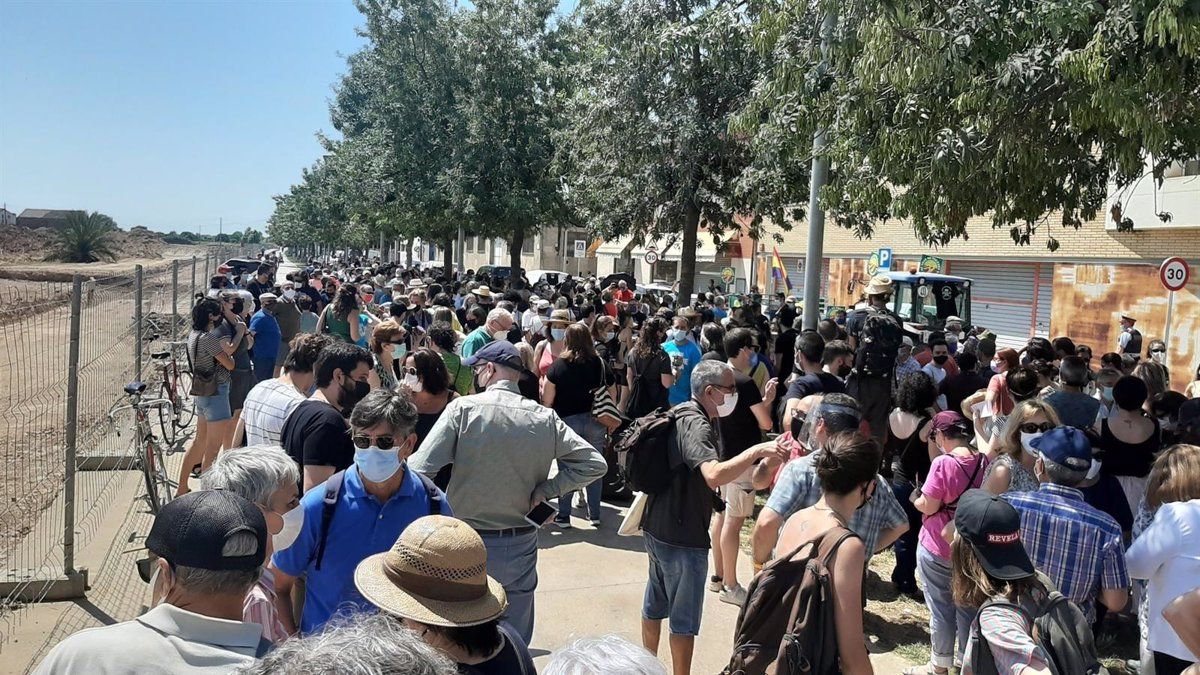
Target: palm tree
x,y
86,238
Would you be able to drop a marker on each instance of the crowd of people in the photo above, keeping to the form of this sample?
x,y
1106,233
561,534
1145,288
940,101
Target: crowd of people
x,y
377,447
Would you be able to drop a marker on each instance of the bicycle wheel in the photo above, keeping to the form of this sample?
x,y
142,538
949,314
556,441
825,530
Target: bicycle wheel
x,y
166,418
147,459
162,475
184,404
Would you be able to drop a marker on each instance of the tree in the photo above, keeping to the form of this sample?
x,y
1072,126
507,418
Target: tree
x,y
938,112
86,237
647,144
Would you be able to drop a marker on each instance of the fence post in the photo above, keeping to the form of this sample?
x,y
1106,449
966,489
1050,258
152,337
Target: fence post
x,y
72,425
193,293
137,322
174,298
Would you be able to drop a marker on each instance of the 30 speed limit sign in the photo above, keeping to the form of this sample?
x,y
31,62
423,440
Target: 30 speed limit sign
x,y
1174,273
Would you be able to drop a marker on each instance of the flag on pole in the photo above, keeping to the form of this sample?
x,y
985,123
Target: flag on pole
x,y
778,271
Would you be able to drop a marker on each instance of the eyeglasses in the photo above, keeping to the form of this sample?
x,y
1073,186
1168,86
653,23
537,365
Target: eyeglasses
x,y
1035,428
362,442
722,387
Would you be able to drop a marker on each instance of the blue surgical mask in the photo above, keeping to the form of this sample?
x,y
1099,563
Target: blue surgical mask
x,y
377,465
1107,393
679,335
558,334
399,351
609,336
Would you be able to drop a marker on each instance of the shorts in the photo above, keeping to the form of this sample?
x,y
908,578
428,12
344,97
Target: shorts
x,y
240,384
215,408
675,589
284,350
739,500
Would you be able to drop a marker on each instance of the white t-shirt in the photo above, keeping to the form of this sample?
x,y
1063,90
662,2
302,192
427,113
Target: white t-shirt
x,y
266,408
937,375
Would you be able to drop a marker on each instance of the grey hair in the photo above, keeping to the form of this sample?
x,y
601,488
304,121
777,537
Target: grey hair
x,y
607,655
223,582
498,313
1060,474
254,472
361,644
708,373
384,405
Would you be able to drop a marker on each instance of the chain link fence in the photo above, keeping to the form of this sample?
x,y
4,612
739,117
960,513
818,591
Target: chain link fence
x,y
66,351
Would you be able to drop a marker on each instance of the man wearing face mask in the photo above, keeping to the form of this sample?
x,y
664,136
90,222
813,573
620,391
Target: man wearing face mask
x,y
357,512
501,445
265,476
879,522
288,316
210,546
315,433
684,355
1130,339
1074,407
936,368
676,521
499,322
267,338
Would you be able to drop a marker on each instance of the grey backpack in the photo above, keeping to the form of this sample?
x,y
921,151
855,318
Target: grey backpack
x,y
1058,627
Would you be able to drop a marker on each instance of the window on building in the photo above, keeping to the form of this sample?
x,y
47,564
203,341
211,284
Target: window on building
x,y
1189,167
527,245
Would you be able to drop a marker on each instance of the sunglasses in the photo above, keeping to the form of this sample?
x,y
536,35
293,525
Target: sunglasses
x,y
1035,428
381,442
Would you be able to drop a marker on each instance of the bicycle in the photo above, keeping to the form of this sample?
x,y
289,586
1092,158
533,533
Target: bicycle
x,y
148,457
176,388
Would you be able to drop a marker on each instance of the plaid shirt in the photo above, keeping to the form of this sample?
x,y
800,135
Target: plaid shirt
x,y
1078,546
798,488
910,366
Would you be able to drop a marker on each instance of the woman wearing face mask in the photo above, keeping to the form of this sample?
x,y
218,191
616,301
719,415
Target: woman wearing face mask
x,y
907,453
604,339
649,371
846,469
209,355
568,388
425,375
388,347
1157,379
549,349
1012,468
266,476
1129,439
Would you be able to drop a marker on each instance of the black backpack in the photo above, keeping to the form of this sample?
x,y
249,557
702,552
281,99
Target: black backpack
x,y
1058,627
878,341
787,625
645,444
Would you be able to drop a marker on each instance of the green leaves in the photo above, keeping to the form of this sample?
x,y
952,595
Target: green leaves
x,y
85,238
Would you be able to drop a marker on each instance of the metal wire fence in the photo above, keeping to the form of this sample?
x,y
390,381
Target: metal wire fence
x,y
66,350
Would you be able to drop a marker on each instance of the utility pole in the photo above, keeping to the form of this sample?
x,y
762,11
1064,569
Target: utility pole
x,y
220,226
820,176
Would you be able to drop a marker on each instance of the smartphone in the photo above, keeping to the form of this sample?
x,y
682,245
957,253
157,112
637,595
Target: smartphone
x,y
540,514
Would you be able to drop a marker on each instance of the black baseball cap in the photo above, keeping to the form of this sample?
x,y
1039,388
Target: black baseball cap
x,y
193,530
993,528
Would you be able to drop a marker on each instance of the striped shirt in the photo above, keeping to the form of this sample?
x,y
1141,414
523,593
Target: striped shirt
x,y
1076,545
1009,636
266,408
259,608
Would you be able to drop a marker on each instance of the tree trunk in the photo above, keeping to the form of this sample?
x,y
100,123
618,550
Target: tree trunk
x,y
514,254
687,256
408,252
448,258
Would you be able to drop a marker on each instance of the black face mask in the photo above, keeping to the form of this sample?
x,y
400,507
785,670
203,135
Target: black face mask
x,y
514,334
941,358
353,391
797,425
844,370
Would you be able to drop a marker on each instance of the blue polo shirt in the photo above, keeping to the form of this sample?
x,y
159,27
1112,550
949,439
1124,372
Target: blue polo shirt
x,y
682,389
361,527
267,336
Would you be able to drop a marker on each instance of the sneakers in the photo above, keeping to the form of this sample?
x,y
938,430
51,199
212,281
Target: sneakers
x,y
734,596
595,522
562,524
714,584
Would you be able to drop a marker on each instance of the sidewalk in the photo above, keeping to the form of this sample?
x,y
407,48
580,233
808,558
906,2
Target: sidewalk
x,y
591,583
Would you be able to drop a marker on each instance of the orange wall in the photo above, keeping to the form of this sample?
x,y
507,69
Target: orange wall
x,y
1089,299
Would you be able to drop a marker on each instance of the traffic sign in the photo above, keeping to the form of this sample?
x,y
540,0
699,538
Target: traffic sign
x,y
728,274
1174,273
651,257
885,260
580,248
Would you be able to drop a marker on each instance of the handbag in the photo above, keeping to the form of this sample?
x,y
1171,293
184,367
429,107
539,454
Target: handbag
x,y
604,409
631,525
203,384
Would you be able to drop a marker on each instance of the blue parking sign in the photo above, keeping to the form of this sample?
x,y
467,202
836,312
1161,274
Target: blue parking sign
x,y
885,260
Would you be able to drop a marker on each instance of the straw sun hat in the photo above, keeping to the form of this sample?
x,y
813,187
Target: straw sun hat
x,y
435,574
560,317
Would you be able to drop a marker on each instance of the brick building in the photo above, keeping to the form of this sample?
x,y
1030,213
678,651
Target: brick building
x,y
1079,290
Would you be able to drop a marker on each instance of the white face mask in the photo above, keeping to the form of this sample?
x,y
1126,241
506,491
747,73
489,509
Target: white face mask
x,y
412,382
1027,439
288,294
726,407
1159,357
293,521
499,335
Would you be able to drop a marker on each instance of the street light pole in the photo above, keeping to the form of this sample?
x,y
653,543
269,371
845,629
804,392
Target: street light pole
x,y
820,177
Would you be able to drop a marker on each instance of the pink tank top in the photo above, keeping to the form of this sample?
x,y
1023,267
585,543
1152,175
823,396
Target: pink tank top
x,y
547,359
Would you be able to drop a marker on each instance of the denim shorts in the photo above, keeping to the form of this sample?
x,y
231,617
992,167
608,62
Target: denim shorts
x,y
675,589
215,408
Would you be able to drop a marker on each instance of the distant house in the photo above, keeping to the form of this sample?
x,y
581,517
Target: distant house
x,y
34,218
7,218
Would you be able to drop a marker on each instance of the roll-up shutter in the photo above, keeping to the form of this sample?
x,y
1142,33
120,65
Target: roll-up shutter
x,y
1002,296
796,276
1045,298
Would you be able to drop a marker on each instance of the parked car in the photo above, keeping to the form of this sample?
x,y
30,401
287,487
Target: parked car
x,y
549,277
